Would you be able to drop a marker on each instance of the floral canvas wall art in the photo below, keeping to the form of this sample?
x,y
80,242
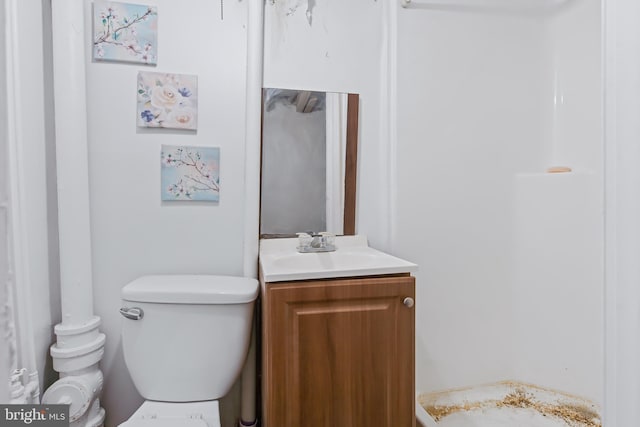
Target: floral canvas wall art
x,y
125,32
190,173
167,100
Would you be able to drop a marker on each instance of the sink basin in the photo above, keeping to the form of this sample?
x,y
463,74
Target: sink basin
x,y
280,261
326,260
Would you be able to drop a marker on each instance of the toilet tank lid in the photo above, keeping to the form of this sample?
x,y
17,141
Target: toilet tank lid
x,y
191,289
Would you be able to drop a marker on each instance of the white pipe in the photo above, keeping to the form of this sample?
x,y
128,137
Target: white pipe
x,y
255,48
80,345
248,402
75,390
253,122
387,158
72,160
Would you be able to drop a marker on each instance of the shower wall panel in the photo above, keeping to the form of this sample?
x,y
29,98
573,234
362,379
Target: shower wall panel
x,y
488,99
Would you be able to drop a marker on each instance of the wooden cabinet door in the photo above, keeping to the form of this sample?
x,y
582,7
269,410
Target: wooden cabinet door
x,y
339,353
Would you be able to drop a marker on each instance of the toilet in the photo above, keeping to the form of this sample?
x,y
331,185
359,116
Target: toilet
x,y
185,339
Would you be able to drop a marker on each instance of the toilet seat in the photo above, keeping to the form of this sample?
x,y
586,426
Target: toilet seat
x,y
165,422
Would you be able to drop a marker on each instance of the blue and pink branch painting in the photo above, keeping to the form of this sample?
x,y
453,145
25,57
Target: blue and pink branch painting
x,y
190,173
125,32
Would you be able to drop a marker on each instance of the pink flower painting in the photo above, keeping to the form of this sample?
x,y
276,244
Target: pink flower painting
x,y
167,100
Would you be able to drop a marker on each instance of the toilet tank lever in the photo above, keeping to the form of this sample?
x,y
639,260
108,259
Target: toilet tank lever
x,y
133,313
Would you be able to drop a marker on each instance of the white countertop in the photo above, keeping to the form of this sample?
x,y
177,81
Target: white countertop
x,y
280,261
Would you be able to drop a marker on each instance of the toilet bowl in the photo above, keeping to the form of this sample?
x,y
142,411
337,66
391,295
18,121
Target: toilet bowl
x,y
167,414
185,339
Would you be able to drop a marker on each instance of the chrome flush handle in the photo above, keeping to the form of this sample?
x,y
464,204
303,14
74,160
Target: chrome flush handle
x,y
133,313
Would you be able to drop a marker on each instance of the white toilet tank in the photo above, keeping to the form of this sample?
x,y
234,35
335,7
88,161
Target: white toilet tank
x,y
191,341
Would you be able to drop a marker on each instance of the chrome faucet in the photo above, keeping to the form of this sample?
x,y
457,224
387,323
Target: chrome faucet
x,y
316,242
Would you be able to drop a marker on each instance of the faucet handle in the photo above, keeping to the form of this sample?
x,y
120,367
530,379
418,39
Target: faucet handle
x,y
329,238
304,240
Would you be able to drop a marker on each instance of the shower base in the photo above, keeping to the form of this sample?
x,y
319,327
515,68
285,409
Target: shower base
x,y
506,404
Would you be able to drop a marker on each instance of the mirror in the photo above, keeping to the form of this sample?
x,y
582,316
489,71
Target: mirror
x,y
309,158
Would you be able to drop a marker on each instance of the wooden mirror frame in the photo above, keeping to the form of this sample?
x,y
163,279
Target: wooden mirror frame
x,y
351,165
350,172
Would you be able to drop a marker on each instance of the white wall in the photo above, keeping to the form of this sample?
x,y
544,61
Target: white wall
x,y
133,232
477,128
342,50
623,211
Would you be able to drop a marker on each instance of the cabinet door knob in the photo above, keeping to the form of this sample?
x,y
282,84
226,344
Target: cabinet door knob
x,y
408,302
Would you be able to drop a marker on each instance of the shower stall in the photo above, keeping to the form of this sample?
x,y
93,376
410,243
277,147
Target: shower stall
x,y
500,201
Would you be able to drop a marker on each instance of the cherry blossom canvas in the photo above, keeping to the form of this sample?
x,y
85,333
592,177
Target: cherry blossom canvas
x,y
125,32
167,100
190,173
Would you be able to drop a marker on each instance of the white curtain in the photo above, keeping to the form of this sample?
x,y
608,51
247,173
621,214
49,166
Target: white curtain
x,y
6,342
4,244
15,317
4,314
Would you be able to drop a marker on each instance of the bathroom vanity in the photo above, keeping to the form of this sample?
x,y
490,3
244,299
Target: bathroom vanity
x,y
337,336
